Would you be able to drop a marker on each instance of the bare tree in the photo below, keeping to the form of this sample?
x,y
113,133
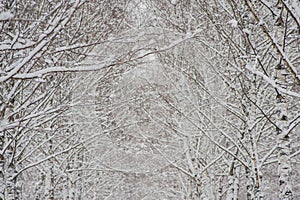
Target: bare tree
x,y
39,40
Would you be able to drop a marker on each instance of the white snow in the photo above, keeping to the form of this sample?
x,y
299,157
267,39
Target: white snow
x,y
3,123
247,31
294,8
6,15
272,82
174,2
233,23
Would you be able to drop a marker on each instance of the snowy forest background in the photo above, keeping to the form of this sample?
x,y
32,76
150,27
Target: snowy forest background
x,y
149,99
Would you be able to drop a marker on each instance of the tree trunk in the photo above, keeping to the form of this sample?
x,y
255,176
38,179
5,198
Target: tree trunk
x,y
2,166
233,181
8,168
283,140
49,179
10,172
2,180
250,103
11,184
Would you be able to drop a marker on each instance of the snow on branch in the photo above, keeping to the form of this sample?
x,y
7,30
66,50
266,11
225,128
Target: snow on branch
x,y
275,44
82,68
6,15
57,24
273,83
294,11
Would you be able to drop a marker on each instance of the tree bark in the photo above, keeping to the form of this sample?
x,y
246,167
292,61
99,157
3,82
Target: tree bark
x,y
283,139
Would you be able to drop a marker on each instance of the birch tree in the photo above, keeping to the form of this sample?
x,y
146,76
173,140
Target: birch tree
x,y
39,40
128,99
240,33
